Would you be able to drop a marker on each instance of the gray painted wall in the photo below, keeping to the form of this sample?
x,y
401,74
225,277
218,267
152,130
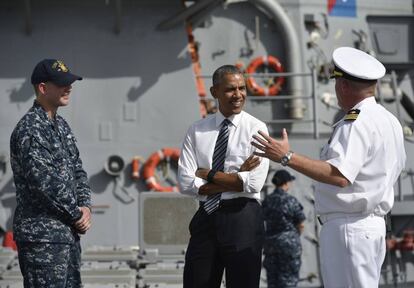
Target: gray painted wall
x,y
139,95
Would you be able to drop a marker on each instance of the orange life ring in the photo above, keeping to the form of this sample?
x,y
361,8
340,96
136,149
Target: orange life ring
x,y
148,171
275,87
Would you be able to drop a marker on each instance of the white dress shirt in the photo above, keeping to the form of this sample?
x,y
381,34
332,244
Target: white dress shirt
x,y
198,148
369,152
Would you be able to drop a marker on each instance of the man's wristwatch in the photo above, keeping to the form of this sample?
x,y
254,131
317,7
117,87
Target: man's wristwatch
x,y
285,159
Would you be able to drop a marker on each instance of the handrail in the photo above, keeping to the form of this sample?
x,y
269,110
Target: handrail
x,y
266,75
311,96
265,98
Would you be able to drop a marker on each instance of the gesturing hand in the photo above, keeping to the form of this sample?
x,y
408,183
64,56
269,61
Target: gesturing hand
x,y
271,148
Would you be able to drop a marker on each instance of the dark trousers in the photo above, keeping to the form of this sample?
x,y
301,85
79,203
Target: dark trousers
x,y
230,240
51,265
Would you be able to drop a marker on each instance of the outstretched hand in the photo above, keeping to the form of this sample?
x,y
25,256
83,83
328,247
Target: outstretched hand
x,y
271,148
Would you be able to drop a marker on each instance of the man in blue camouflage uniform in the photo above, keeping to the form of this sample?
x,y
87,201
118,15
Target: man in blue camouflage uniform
x,y
284,222
52,190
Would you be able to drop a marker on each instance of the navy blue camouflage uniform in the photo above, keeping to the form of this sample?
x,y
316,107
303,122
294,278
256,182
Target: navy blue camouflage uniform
x,y
51,185
282,249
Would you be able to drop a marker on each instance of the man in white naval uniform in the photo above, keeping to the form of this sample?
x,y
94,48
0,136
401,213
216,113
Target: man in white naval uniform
x,y
358,169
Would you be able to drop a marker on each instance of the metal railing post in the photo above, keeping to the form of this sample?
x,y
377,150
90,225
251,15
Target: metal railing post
x,y
314,104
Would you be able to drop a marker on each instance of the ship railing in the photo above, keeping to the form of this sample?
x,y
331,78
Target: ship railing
x,y
312,118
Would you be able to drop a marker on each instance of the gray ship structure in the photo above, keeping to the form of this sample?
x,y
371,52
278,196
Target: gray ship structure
x,y
147,65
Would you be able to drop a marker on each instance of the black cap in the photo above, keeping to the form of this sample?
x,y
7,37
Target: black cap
x,y
54,71
281,177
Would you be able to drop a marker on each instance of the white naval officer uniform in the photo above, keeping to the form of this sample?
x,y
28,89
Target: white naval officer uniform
x,y
367,147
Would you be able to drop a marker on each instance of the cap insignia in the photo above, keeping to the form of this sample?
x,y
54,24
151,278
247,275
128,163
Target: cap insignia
x,y
60,66
336,74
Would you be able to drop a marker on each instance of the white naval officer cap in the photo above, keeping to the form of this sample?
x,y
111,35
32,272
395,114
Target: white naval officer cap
x,y
356,65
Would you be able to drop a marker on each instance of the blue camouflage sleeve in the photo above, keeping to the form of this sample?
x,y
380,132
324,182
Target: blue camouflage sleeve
x,y
82,186
46,181
83,189
298,215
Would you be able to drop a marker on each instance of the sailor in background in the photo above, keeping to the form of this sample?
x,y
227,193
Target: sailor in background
x,y
356,174
283,215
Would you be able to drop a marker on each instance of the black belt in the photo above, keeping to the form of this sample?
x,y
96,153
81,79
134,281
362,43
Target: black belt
x,y
241,201
325,218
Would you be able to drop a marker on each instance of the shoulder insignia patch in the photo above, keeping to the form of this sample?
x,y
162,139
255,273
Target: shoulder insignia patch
x,y
352,115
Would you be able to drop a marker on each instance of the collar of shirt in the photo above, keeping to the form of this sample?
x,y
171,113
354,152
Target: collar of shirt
x,y
234,119
278,191
40,111
43,114
369,100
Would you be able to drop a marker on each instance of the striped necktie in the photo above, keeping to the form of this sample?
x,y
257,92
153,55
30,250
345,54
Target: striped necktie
x,y
219,157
